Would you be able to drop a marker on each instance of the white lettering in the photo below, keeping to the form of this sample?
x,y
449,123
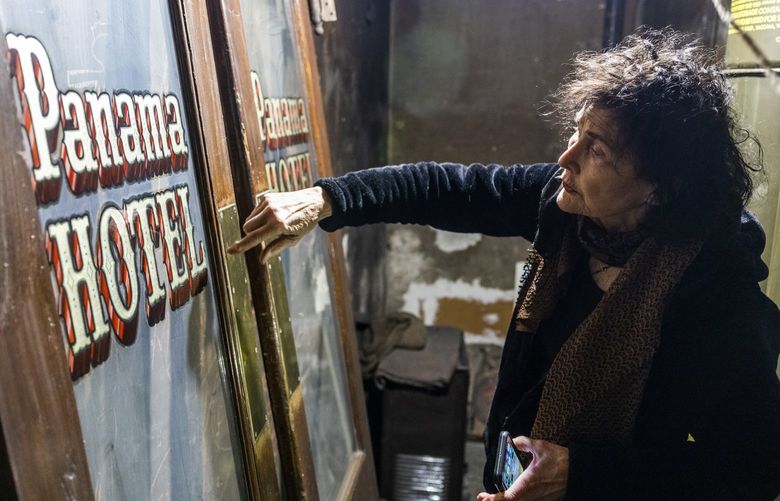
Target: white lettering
x,y
118,275
81,168
39,101
67,244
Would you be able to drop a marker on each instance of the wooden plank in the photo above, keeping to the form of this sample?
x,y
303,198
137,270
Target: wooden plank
x,y
37,407
205,62
246,156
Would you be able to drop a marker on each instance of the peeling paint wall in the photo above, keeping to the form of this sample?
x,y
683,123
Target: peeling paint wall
x,y
483,311
468,282
467,80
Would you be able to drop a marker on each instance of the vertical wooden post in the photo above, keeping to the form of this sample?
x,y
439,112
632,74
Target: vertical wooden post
x,y
37,407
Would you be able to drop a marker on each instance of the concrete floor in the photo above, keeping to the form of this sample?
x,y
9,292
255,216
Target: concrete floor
x,y
472,478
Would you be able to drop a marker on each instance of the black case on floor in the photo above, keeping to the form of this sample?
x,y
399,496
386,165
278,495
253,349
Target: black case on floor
x,y
421,438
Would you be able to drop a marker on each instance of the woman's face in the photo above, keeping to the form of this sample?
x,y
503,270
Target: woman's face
x,y
597,182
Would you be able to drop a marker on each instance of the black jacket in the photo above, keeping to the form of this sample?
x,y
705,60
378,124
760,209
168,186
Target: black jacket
x,y
709,423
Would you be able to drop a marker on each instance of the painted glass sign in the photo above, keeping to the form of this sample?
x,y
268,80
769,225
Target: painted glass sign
x,y
290,164
105,133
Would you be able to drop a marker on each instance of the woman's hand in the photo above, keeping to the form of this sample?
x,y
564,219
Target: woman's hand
x,y
545,478
281,219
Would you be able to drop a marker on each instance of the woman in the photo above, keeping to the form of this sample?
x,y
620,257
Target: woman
x,y
640,363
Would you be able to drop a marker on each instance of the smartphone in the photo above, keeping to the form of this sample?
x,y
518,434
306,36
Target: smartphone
x,y
508,466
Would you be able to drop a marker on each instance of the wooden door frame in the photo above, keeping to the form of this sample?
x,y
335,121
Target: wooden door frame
x,y
247,155
269,296
193,23
38,411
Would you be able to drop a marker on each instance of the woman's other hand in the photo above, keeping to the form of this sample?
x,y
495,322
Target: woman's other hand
x,y
544,479
281,219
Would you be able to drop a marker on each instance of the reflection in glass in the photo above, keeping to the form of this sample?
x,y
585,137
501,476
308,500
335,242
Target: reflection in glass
x,y
308,281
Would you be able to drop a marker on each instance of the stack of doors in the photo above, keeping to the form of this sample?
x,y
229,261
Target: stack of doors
x,y
138,360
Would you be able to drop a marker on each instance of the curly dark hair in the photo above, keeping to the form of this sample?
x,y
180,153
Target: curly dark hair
x,y
674,120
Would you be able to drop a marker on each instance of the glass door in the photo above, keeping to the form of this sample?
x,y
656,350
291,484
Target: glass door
x,y
159,334
318,408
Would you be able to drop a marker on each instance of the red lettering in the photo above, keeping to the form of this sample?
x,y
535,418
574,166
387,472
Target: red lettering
x,y
284,175
176,143
67,245
154,141
81,168
257,96
306,176
270,176
100,119
129,140
173,249
270,125
196,259
141,214
39,97
118,276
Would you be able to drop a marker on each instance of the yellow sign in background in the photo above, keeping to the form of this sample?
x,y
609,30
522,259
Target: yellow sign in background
x,y
760,20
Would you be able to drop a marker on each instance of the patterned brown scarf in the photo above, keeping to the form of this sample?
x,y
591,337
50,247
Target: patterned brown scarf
x,y
595,384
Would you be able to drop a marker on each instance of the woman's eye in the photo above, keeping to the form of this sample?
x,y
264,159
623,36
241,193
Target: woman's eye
x,y
597,152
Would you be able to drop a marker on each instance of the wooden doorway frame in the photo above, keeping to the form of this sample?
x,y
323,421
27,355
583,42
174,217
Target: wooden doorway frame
x,y
247,156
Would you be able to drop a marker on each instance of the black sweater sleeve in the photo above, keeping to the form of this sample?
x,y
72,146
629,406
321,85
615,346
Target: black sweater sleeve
x,y
489,199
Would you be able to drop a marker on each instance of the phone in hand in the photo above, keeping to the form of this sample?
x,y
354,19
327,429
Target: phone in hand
x,y
508,466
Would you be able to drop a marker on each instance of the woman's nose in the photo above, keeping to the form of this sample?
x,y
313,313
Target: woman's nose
x,y
568,159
